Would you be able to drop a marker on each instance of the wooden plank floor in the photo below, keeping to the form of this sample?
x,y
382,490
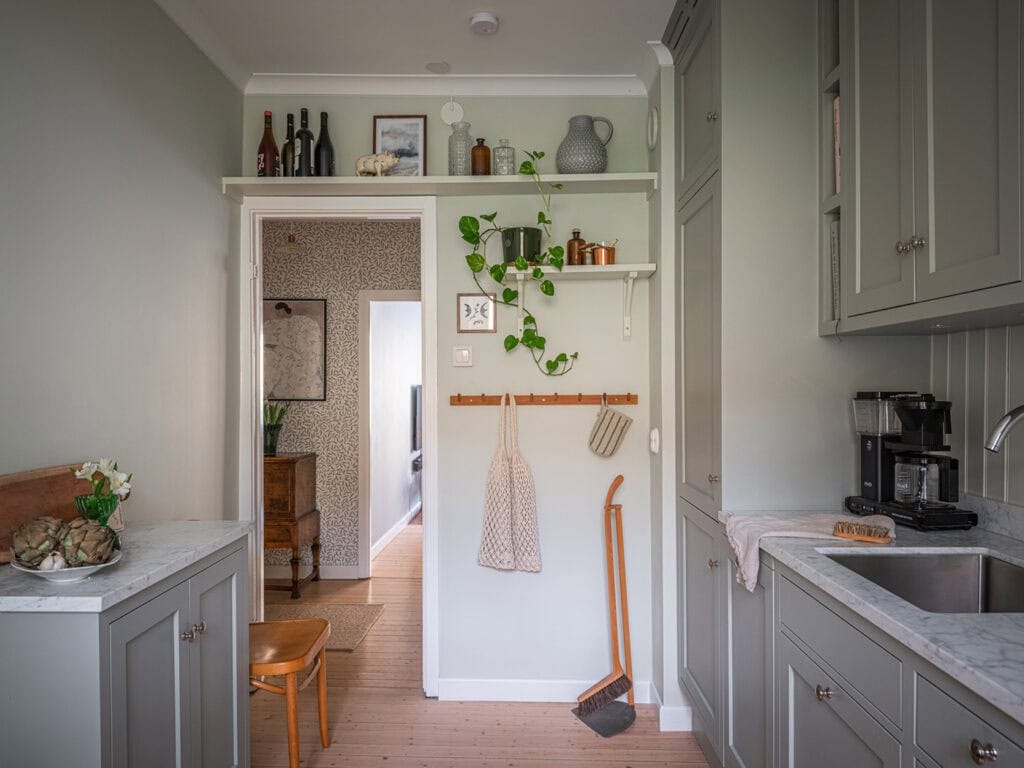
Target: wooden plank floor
x,y
379,716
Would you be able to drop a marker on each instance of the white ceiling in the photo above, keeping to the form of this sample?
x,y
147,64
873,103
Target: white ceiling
x,y
399,37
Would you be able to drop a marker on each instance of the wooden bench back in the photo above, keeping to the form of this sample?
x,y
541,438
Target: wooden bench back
x,y
38,492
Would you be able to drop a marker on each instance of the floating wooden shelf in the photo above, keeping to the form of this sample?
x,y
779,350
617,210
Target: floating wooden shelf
x,y
556,399
239,187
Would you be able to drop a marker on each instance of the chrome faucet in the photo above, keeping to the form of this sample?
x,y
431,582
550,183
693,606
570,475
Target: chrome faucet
x,y
1002,427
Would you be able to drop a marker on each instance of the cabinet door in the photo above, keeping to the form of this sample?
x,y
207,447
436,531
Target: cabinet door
x,y
877,156
967,92
149,680
698,360
698,102
747,668
700,640
828,729
219,662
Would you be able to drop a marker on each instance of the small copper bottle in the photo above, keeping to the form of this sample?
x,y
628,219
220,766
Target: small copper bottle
x,y
481,159
574,249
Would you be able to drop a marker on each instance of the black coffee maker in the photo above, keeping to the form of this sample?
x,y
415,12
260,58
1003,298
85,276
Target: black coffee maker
x,y
903,474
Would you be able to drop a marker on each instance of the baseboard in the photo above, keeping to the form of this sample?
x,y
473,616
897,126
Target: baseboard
x,y
456,689
326,571
395,530
678,718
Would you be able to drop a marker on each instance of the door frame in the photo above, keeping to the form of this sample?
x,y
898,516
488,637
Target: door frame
x,y
366,298
254,211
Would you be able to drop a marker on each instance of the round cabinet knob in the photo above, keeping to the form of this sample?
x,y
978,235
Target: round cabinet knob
x,y
917,242
188,637
983,753
902,247
712,479
199,628
822,693
712,564
711,117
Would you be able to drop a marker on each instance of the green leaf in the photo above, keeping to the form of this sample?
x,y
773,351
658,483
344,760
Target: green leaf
x,y
538,273
574,355
497,272
509,295
529,320
537,154
521,263
489,216
476,262
527,167
547,288
552,366
539,342
562,358
558,262
557,251
511,342
558,186
469,226
529,334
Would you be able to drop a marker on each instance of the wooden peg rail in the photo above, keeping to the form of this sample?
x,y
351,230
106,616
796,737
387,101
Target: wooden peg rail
x,y
556,399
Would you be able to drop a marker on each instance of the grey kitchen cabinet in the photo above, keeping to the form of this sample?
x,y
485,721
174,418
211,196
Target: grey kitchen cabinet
x,y
931,155
820,723
174,668
698,357
725,652
692,36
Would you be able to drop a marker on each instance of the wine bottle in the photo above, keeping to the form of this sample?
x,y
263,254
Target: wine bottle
x,y
324,150
304,146
288,150
268,161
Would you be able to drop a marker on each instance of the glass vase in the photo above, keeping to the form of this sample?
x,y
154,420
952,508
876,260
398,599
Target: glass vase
x,y
270,435
460,148
504,158
98,508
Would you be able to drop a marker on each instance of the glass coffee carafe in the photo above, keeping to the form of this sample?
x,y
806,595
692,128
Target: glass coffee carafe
x,y
917,481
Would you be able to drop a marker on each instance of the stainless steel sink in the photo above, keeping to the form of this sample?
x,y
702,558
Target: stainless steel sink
x,y
952,582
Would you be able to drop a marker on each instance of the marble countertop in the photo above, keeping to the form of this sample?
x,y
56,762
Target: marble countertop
x,y
984,652
151,552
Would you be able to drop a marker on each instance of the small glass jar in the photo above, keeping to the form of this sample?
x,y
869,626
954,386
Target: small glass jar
x,y
504,159
481,158
460,147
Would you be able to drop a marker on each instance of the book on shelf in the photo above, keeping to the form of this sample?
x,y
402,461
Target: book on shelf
x,y
833,247
837,144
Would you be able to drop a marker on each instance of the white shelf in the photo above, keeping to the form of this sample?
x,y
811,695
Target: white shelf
x,y
627,273
238,187
609,272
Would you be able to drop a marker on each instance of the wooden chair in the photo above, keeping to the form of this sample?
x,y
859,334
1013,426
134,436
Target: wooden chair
x,y
287,648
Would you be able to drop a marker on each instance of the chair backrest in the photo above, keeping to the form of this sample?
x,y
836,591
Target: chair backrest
x,y
38,492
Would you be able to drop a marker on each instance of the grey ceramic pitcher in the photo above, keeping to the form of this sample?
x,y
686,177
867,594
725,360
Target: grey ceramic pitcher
x,y
582,150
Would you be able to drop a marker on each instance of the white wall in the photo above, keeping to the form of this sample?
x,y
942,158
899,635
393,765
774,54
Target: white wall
x,y
118,254
552,626
787,436
395,368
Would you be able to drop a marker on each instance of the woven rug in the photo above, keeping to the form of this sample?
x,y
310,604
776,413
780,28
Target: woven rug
x,y
349,622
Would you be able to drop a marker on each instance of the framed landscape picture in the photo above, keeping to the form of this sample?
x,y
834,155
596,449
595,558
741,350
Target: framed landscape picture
x,y
294,349
406,136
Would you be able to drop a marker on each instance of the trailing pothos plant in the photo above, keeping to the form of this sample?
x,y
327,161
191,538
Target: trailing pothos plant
x,y
478,235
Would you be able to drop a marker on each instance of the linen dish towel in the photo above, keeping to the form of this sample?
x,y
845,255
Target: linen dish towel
x,y
609,430
746,531
510,538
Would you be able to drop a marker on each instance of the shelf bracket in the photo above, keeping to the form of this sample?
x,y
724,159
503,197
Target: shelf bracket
x,y
520,313
627,304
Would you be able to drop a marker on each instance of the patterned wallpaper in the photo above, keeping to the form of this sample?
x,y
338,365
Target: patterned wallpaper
x,y
339,259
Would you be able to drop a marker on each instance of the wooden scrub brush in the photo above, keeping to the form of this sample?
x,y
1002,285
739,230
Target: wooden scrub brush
x,y
875,534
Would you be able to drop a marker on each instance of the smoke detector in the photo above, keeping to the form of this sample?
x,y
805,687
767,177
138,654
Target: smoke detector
x,y
483,23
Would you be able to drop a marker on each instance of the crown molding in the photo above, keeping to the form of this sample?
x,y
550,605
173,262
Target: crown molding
x,y
448,85
188,19
659,56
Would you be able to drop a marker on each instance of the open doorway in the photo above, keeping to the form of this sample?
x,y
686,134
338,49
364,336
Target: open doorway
x,y
390,418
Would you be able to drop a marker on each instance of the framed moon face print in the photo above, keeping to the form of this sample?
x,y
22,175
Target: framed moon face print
x,y
476,313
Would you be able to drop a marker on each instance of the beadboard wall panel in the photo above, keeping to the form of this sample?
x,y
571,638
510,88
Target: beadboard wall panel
x,y
982,373
339,258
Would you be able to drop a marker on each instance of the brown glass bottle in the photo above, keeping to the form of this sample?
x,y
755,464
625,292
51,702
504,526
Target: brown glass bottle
x,y
268,161
481,162
574,249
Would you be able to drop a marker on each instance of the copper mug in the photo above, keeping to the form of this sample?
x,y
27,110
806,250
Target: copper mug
x,y
603,254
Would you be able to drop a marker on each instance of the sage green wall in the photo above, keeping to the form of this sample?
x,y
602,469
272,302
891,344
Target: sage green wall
x,y
118,253
528,122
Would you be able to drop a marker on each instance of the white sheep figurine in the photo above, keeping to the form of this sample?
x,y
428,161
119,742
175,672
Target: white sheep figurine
x,y
376,165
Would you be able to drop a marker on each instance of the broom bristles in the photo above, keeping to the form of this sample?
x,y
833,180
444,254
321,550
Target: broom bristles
x,y
604,696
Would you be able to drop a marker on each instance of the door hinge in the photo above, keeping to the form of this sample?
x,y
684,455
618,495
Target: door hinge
x,y
254,270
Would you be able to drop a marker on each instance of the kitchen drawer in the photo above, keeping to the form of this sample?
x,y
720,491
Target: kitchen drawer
x,y
944,729
866,666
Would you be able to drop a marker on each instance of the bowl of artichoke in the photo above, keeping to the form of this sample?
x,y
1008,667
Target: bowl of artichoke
x,y
63,551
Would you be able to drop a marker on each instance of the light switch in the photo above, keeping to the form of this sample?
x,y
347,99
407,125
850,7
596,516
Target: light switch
x,y
462,357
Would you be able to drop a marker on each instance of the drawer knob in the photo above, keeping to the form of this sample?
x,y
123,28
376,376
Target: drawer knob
x,y
822,693
917,242
199,628
902,247
711,117
189,636
712,479
983,753
712,564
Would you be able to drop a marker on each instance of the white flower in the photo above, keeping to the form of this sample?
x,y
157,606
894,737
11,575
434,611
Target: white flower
x,y
119,484
53,562
107,466
87,471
